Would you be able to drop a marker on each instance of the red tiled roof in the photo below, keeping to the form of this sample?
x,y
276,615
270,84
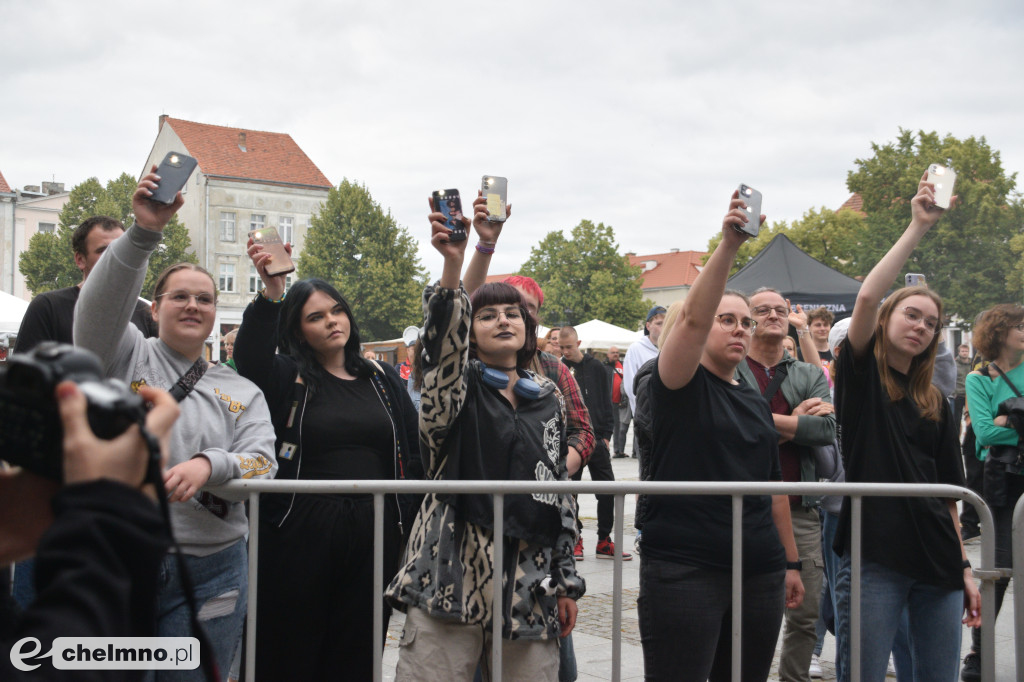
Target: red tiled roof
x,y
268,157
854,203
4,187
673,269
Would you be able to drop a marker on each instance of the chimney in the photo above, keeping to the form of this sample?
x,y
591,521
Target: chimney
x,y
163,119
673,250
51,188
631,253
241,141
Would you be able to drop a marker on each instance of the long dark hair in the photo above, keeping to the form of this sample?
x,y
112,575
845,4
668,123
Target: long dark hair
x,y
292,341
499,293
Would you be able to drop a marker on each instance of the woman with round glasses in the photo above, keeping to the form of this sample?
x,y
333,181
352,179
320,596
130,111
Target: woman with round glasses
x,y
224,432
708,426
484,416
897,428
999,337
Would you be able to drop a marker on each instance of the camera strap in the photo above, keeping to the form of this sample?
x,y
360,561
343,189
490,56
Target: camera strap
x,y
770,390
187,381
1006,379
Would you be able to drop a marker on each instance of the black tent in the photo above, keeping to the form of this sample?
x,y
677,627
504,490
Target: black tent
x,y
803,280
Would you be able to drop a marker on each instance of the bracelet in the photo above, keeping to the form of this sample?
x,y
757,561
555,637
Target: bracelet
x,y
485,247
801,332
966,564
263,293
794,565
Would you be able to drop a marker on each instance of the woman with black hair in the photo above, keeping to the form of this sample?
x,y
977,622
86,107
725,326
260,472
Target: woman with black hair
x,y
484,416
337,416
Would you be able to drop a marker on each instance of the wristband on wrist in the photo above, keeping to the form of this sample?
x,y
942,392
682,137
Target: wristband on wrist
x,y
967,564
485,247
803,331
794,566
263,293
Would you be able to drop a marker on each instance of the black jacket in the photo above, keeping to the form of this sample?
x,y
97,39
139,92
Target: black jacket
x,y
276,374
97,571
596,388
643,427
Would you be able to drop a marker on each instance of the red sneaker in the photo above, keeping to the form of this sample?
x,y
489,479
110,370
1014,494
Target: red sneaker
x,y
606,550
578,552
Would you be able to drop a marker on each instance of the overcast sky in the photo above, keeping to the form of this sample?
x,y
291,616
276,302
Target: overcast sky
x,y
644,116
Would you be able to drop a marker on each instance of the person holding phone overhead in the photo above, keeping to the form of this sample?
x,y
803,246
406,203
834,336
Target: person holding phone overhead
x,y
897,428
224,432
337,415
708,426
484,416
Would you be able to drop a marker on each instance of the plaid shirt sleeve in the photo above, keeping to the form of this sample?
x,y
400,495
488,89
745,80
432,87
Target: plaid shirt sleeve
x,y
579,432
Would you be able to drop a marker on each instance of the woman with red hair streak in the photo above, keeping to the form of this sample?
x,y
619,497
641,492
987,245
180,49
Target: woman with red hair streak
x,y
897,428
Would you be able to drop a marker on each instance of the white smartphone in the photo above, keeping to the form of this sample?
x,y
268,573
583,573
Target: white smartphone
x,y
495,191
943,178
752,198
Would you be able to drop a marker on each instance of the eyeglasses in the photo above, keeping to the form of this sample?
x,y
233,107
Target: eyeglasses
x,y
915,317
489,317
1018,327
728,323
764,310
180,298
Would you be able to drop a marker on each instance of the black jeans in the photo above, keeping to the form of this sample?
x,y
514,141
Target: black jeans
x,y
315,589
600,467
1003,518
686,622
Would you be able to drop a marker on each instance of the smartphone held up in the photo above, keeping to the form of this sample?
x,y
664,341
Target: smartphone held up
x,y
280,262
752,198
943,179
495,192
448,203
174,172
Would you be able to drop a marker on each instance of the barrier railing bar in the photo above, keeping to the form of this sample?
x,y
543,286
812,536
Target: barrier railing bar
x,y
1018,591
737,588
498,615
620,508
250,614
378,584
986,572
856,509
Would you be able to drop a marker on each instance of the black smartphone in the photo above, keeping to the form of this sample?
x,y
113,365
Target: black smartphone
x,y
174,172
448,202
752,198
495,191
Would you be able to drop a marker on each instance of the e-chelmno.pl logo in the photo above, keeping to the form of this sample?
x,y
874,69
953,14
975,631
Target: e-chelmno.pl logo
x,y
109,653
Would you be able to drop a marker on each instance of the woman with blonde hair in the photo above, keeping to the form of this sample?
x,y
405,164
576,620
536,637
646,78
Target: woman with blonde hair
x,y
897,428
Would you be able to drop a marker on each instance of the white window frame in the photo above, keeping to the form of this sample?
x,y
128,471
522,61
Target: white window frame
x,y
227,234
254,279
47,228
259,224
226,277
286,228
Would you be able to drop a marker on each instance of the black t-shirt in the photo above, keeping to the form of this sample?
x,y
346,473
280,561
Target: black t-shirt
x,y
891,442
712,430
50,317
347,433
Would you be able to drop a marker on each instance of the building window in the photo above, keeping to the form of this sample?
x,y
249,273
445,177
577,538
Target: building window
x,y
227,278
288,282
257,222
254,279
48,228
285,230
227,226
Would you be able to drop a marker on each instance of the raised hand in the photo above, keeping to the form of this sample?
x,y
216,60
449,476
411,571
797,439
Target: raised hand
x,y
153,215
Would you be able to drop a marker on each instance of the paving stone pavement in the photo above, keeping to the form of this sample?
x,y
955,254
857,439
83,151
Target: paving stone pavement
x,y
592,636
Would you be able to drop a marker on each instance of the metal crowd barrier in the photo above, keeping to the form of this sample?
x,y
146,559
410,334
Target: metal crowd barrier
x,y
987,572
1018,593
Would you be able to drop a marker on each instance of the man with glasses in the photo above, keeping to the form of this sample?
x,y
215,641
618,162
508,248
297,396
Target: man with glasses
x,y
798,395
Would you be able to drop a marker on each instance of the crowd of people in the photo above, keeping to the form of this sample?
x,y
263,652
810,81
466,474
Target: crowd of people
x,y
724,386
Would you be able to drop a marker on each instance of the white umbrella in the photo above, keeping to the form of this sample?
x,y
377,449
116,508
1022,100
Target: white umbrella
x,y
12,309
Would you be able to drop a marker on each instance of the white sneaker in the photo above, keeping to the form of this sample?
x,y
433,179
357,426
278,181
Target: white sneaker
x,y
891,670
815,669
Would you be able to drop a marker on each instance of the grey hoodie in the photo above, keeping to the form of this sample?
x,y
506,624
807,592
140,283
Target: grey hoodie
x,y
225,417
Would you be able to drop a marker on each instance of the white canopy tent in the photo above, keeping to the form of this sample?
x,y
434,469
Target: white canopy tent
x,y
602,336
12,309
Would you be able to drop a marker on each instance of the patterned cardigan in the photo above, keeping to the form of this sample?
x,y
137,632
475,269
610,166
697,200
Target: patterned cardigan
x,y
449,563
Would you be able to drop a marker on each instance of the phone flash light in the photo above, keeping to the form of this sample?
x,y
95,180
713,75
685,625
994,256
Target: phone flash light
x,y
259,235
939,170
490,181
174,158
748,191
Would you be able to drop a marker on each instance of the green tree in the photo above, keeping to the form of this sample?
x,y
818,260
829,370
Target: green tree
x,y
353,244
49,261
585,277
968,256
